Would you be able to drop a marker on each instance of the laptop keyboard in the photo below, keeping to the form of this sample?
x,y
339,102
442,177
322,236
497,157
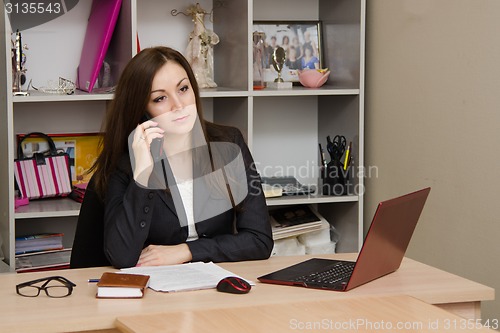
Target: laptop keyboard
x,y
331,276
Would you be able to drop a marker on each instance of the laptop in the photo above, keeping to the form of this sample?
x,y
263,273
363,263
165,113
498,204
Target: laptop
x,y
382,251
289,185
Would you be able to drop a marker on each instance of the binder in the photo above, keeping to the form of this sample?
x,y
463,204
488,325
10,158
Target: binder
x,y
100,26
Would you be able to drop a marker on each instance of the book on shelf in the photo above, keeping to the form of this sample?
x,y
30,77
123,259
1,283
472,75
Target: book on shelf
x,y
39,242
43,260
43,269
121,285
295,220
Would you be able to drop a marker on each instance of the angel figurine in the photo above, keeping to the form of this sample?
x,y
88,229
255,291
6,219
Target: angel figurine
x,y
199,51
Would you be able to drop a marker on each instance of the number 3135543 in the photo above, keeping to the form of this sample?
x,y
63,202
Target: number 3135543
x,y
33,8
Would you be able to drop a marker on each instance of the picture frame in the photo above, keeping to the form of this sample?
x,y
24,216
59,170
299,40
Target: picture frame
x,y
297,38
82,148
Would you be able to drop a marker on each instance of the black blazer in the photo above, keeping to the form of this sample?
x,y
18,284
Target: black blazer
x,y
88,248
135,217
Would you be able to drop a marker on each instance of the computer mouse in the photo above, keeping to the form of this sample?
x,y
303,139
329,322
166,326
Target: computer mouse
x,y
233,285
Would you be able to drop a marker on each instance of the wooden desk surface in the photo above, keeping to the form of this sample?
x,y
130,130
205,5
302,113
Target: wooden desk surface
x,y
357,315
82,311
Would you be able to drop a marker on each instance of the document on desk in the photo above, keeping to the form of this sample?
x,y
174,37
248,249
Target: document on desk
x,y
183,277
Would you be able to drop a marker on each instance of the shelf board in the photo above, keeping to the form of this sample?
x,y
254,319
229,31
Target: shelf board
x,y
303,91
59,207
204,93
79,95
309,199
68,207
223,92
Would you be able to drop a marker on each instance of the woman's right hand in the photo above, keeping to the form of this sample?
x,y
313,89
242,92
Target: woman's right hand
x,y
144,135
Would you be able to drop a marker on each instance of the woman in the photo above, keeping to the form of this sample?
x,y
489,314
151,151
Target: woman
x,y
292,62
157,100
309,61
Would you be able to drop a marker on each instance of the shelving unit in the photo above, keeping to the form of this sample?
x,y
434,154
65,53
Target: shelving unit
x,y
282,127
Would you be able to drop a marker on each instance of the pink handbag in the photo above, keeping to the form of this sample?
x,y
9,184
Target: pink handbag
x,y
43,175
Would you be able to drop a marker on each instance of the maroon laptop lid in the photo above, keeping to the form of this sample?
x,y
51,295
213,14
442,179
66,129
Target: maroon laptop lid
x,y
382,252
388,237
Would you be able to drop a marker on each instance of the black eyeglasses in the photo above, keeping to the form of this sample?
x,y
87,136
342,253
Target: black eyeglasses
x,y
54,286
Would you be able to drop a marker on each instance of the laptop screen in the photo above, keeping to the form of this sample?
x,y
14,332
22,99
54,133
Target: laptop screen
x,y
388,237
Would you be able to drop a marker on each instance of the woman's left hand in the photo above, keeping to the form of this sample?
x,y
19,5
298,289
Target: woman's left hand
x,y
157,255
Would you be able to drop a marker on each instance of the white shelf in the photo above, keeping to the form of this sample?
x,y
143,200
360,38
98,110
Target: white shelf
x,y
223,92
303,91
310,199
36,96
48,208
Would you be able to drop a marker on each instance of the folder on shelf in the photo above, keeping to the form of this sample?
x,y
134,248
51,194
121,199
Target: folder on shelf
x,y
100,26
43,260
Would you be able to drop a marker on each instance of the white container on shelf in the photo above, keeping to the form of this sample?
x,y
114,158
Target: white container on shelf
x,y
288,247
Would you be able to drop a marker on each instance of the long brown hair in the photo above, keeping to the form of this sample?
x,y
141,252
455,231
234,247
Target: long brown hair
x,y
129,106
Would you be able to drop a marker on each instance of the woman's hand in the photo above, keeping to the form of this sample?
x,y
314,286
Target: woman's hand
x,y
157,255
144,134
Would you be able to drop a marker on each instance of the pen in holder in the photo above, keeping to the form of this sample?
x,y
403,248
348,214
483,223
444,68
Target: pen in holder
x,y
334,179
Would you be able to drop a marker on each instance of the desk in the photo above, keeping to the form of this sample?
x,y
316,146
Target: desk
x,y
403,314
82,311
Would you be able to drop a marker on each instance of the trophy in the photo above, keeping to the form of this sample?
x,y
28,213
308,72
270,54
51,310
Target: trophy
x,y
18,69
278,60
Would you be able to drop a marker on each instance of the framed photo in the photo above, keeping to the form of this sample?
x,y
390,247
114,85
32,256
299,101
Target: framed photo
x,y
82,149
301,41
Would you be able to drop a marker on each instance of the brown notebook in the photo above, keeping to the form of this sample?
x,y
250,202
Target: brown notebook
x,y
121,285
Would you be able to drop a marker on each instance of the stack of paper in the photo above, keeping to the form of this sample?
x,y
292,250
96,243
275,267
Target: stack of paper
x,y
37,261
271,191
190,276
295,220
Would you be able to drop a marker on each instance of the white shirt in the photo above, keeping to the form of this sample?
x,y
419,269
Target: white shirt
x,y
186,192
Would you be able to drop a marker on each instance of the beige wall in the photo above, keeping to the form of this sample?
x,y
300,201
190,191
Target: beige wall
x,y
433,119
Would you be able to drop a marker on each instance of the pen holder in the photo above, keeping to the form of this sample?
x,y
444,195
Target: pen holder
x,y
334,179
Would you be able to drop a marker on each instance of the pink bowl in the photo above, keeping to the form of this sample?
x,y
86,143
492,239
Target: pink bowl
x,y
313,78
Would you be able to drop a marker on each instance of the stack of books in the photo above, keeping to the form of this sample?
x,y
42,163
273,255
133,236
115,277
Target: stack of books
x,y
41,252
295,220
43,261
